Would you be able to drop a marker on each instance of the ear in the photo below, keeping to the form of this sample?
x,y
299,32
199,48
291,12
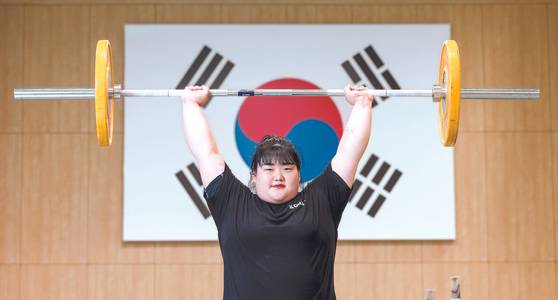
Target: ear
x,y
253,176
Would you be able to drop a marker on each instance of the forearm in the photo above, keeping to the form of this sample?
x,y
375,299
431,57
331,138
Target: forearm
x,y
357,131
197,132
353,142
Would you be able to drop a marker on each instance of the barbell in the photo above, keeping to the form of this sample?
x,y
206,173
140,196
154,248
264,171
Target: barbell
x,y
447,93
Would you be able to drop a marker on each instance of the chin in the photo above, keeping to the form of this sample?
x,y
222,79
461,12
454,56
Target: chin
x,y
283,198
277,197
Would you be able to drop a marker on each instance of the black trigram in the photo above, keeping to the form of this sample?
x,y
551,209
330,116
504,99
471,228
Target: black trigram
x,y
216,62
372,186
384,81
189,188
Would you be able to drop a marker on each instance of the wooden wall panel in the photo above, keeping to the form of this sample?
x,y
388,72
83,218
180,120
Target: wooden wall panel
x,y
345,252
271,2
334,14
54,207
107,22
388,251
519,193
9,282
308,14
382,14
389,281
11,60
301,14
53,282
253,14
517,281
188,14
466,23
472,276
553,53
195,281
104,212
345,281
188,253
515,45
470,244
121,282
10,197
555,184
56,54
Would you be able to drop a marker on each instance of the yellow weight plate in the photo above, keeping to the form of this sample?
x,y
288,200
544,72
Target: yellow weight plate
x,y
103,102
449,78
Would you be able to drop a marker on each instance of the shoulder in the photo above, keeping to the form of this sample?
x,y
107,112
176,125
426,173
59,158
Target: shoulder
x,y
329,178
224,184
210,168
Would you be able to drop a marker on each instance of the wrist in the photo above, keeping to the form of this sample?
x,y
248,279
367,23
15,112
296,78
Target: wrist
x,y
190,102
363,102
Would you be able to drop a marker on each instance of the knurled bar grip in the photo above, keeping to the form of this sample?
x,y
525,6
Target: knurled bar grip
x,y
89,94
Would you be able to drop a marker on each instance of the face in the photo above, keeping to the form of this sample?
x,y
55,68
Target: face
x,y
276,183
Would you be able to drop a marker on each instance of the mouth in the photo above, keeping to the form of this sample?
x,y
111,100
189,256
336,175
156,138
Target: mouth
x,y
278,186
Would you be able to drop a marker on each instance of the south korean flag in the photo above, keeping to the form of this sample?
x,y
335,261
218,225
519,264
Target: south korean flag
x,y
404,183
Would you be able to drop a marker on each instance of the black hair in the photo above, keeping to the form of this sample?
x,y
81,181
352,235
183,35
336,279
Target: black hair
x,y
273,148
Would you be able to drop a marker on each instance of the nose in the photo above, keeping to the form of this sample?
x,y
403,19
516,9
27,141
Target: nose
x,y
278,175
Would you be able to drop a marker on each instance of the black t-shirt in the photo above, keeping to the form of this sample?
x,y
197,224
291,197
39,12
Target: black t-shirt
x,y
278,251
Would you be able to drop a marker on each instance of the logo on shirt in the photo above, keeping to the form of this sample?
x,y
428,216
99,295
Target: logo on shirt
x,y
295,205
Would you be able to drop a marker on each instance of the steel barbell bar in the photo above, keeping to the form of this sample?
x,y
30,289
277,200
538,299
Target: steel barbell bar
x,y
89,94
447,92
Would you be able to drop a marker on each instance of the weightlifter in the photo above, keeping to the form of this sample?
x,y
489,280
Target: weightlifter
x,y
278,240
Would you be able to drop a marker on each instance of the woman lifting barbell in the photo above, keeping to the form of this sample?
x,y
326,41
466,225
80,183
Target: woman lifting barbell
x,y
278,241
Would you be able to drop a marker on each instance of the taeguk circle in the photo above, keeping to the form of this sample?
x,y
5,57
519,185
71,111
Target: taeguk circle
x,y
312,123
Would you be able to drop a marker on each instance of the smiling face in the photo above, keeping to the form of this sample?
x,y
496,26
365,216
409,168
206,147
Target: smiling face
x,y
275,170
276,183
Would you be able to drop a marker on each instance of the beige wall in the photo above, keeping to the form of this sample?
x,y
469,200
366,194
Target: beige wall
x,y
60,194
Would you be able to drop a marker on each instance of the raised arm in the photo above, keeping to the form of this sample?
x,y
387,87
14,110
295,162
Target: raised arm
x,y
198,135
356,134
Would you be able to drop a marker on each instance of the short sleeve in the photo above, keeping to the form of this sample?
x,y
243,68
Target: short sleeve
x,y
221,193
337,191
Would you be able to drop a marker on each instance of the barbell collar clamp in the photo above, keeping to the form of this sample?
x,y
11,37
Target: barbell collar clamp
x,y
437,93
116,92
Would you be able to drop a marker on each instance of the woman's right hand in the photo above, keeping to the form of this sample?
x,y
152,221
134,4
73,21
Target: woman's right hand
x,y
197,94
